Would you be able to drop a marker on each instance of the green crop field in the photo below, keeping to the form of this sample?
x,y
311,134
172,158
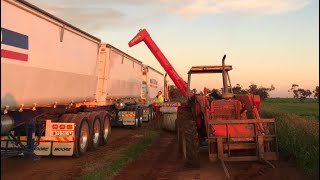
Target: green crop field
x,y
297,130
307,108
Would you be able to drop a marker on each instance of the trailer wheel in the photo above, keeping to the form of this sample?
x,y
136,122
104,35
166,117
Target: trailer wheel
x,y
67,118
82,135
136,123
105,129
189,137
137,119
95,130
140,117
153,115
150,114
148,118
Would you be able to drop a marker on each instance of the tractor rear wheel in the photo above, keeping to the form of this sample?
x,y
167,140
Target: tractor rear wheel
x,y
188,137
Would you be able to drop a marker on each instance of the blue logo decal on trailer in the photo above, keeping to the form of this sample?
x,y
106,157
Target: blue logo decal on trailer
x,y
17,44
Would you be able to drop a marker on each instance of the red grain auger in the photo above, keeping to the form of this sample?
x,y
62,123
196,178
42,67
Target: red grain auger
x,y
229,123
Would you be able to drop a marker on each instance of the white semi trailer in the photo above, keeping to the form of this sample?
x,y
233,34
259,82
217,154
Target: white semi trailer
x,y
62,88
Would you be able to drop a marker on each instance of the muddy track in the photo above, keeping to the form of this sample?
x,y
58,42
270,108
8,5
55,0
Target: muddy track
x,y
162,161
69,167
159,161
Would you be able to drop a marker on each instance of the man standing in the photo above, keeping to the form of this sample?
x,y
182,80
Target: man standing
x,y
160,97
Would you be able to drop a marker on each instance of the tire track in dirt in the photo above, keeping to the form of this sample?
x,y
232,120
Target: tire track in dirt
x,y
161,160
68,167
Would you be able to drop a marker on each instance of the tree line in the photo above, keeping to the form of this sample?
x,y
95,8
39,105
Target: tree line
x,y
263,92
300,93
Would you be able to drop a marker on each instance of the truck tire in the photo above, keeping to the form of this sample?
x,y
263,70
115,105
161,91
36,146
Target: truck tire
x,y
152,115
140,110
82,134
95,130
136,123
178,136
105,127
67,118
188,136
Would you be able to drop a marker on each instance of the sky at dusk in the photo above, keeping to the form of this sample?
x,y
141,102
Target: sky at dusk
x,y
266,41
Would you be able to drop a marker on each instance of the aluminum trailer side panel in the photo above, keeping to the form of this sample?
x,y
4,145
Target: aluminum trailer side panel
x,y
155,83
123,75
56,62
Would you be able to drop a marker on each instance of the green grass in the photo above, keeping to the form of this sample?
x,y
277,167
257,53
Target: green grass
x,y
307,108
297,131
110,169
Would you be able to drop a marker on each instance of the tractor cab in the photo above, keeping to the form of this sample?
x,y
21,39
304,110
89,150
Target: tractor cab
x,y
227,88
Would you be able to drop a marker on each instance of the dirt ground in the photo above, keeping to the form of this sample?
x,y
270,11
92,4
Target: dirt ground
x,y
68,167
160,160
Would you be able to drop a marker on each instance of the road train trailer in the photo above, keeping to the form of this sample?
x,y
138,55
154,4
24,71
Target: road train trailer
x,y
62,89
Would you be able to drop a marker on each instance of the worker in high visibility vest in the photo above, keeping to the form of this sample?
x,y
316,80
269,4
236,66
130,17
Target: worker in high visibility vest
x,y
160,98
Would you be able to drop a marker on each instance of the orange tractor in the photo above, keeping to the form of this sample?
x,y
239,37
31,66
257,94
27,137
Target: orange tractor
x,y
229,123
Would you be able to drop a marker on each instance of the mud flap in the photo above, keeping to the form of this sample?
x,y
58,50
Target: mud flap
x,y
62,148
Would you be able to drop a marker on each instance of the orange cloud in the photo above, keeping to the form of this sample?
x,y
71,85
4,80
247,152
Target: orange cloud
x,y
245,6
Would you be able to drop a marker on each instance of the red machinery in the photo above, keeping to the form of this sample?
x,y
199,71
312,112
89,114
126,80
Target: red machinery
x,y
229,123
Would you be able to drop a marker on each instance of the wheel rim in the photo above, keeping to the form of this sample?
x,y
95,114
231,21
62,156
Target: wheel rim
x,y
84,133
96,131
106,129
137,121
141,120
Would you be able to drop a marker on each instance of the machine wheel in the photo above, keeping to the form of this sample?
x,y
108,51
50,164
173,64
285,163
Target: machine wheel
x,y
178,135
95,132
82,134
152,115
136,123
105,127
148,118
140,117
189,137
137,120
